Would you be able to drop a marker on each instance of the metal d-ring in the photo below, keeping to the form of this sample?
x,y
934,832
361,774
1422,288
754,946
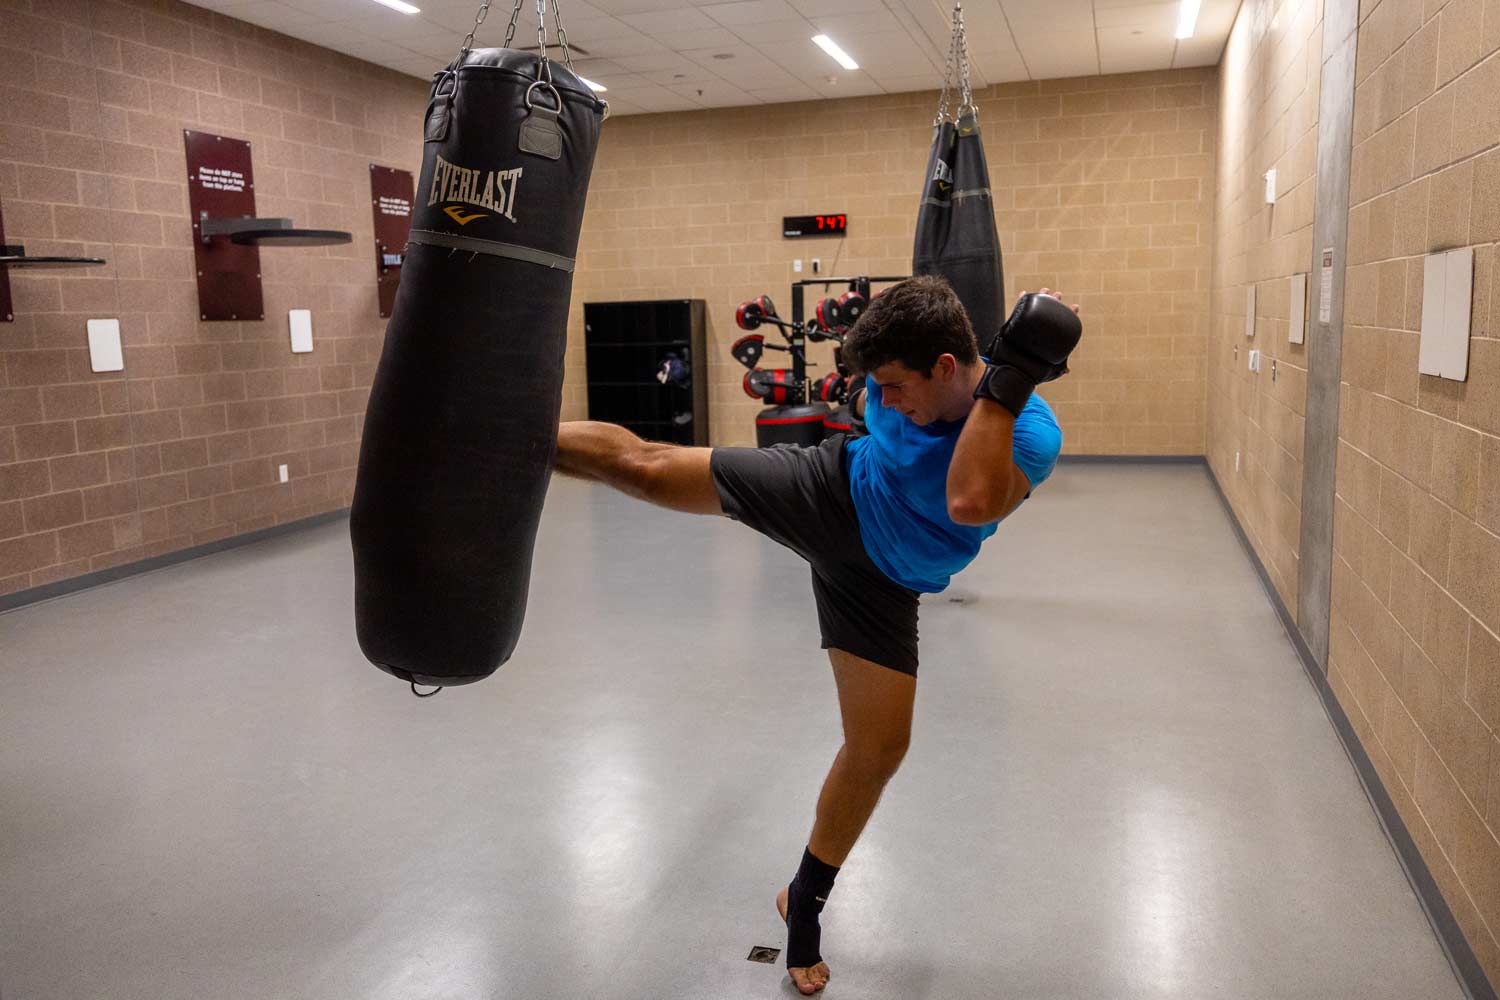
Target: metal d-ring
x,y
444,77
530,106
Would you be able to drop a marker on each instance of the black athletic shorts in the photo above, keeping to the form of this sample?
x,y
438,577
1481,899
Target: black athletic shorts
x,y
799,496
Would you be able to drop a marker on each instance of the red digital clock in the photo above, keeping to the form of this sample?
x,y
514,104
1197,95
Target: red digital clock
x,y
814,225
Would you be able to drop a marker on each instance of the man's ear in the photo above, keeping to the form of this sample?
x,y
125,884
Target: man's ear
x,y
945,367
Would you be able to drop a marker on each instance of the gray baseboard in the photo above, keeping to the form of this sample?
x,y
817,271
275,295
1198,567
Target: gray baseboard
x,y
1450,936
1132,459
21,598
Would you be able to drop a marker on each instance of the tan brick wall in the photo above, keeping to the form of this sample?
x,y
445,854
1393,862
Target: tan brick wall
x,y
1268,117
182,447
1102,187
1415,658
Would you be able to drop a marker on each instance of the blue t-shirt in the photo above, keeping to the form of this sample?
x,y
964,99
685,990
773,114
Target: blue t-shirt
x,y
898,479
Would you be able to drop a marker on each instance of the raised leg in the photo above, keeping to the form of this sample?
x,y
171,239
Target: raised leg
x,y
668,475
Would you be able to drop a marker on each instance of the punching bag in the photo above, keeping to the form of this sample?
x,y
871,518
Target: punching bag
x,y
956,235
462,421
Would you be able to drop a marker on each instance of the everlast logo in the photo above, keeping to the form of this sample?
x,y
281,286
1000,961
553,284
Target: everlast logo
x,y
943,175
491,189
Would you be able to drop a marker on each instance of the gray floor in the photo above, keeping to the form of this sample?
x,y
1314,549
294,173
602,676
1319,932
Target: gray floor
x,y
1121,784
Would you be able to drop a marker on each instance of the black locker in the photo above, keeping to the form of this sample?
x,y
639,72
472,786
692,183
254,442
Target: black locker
x,y
626,344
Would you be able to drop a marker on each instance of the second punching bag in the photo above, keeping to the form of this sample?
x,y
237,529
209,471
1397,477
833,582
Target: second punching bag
x,y
956,235
462,421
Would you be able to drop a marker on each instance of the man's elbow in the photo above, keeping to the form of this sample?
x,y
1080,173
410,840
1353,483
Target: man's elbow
x,y
987,507
974,511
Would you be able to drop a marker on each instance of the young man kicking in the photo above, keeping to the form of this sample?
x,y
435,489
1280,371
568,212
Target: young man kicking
x,y
956,442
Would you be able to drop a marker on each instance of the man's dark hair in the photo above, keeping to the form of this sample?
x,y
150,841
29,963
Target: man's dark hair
x,y
913,322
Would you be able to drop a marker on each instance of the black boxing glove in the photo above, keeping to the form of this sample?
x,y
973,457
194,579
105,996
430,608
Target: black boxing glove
x,y
1031,348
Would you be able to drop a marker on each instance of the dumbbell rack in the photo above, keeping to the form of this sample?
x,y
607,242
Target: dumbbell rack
x,y
799,308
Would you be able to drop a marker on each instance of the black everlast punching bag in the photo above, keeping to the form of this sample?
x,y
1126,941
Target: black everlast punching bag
x,y
462,421
956,234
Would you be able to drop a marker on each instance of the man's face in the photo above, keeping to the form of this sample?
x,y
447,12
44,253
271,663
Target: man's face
x,y
922,398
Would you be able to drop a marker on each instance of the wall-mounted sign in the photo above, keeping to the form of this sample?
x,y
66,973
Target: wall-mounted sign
x,y
222,186
391,194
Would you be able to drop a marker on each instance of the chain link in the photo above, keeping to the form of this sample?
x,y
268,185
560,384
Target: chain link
x,y
510,33
961,41
544,69
942,114
484,9
510,29
562,35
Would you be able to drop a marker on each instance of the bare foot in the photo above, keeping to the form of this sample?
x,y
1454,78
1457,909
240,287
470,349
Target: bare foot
x,y
808,981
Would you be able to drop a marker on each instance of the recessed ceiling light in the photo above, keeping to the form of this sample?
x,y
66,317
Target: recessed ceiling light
x,y
1187,18
404,8
839,55
597,88
723,55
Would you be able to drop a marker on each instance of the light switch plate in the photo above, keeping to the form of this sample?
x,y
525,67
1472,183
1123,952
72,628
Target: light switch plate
x,y
105,353
300,321
1271,186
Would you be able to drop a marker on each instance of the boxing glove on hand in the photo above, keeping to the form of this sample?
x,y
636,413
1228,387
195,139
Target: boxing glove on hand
x,y
1031,348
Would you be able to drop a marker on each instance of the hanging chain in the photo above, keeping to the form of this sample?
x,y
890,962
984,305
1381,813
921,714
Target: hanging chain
x,y
562,35
942,114
510,29
544,68
484,9
961,42
510,33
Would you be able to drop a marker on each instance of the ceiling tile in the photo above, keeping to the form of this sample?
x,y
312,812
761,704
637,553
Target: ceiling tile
x,y
750,12
617,8
841,27
1198,51
909,84
828,8
270,14
1057,55
615,46
1049,16
1000,67
681,41
796,30
1159,17
691,72
790,92
677,21
646,62
716,95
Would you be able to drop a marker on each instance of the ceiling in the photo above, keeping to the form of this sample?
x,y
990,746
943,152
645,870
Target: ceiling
x,y
679,55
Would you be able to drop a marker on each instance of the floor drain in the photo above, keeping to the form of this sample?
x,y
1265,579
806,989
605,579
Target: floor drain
x,y
763,954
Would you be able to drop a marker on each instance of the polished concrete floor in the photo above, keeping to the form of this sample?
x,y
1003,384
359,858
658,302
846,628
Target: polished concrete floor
x,y
1121,784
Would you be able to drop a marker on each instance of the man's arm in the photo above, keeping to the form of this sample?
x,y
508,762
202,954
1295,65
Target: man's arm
x,y
984,483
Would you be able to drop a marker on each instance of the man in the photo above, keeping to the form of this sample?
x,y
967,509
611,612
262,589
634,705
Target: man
x,y
954,445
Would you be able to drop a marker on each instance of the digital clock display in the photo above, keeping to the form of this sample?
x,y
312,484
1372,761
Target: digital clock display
x,y
814,225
